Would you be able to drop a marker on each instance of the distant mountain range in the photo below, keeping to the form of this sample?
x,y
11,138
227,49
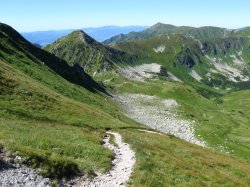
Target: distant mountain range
x,y
100,33
201,33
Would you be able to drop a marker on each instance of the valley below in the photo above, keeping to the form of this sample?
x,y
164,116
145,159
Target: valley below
x,y
166,106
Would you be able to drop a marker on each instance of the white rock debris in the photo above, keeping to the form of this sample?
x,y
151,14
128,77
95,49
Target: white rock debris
x,y
141,72
160,49
195,75
173,77
21,176
158,114
228,71
239,62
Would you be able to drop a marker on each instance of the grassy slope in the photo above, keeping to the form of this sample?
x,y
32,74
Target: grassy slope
x,y
59,126
60,148
34,121
214,121
224,49
40,111
168,161
177,50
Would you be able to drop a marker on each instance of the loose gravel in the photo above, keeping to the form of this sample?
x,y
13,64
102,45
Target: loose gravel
x,y
21,176
159,115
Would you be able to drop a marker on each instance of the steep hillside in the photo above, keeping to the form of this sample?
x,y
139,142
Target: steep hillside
x,y
179,55
59,126
16,50
219,63
202,33
79,48
47,119
230,57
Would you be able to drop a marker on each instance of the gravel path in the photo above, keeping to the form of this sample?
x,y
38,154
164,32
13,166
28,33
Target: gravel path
x,y
122,168
15,175
158,114
118,176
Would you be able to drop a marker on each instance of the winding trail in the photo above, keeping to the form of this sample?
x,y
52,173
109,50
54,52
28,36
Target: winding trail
x,y
122,168
118,176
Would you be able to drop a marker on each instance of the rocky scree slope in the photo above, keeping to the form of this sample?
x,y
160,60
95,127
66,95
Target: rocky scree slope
x,y
230,58
15,175
177,54
159,115
190,61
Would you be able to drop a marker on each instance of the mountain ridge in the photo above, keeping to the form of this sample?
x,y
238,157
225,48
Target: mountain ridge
x,y
200,33
190,59
94,57
14,40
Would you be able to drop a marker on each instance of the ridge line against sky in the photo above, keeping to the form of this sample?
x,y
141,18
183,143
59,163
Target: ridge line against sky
x,y
36,15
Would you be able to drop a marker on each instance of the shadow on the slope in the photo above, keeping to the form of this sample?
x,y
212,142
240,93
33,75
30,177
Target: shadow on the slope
x,y
4,165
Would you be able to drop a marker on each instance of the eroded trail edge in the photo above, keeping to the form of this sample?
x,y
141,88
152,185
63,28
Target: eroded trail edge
x,y
122,165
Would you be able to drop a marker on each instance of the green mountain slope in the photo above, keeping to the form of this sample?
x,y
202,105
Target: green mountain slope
x,y
219,63
15,48
41,111
79,48
178,54
223,122
242,32
58,125
202,33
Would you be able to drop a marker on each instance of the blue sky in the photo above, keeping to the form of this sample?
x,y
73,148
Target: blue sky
x,y
32,15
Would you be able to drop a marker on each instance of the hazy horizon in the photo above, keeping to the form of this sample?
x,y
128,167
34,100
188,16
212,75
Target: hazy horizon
x,y
29,15
125,26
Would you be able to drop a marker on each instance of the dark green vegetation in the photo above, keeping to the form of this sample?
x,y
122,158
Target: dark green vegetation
x,y
79,48
201,33
56,118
